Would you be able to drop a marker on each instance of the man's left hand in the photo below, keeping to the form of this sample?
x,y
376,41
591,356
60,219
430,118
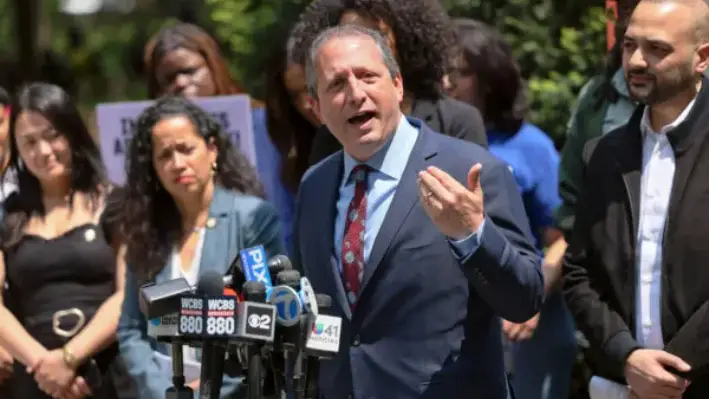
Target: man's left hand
x,y
457,211
520,332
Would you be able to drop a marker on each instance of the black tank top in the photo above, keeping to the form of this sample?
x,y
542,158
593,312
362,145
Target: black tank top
x,y
73,270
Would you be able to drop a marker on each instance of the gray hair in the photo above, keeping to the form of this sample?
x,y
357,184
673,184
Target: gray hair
x,y
347,31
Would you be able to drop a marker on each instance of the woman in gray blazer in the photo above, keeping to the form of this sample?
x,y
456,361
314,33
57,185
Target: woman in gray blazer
x,y
192,202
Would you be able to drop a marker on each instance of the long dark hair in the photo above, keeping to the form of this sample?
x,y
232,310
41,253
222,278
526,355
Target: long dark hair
x,y
151,220
425,38
193,38
290,132
499,80
88,174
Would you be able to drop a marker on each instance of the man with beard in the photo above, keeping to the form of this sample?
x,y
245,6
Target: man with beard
x,y
636,273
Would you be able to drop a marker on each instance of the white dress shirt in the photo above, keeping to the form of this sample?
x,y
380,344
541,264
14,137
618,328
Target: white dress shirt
x,y
658,171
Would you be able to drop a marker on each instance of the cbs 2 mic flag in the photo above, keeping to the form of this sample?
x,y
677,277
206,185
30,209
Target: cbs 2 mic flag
x,y
116,123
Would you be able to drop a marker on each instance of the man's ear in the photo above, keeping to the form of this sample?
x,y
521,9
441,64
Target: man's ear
x,y
315,106
399,84
703,53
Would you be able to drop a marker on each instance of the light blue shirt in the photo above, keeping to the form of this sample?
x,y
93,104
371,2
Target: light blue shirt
x,y
387,167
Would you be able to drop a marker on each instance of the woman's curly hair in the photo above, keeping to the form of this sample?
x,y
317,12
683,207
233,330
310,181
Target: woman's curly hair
x,y
424,35
151,220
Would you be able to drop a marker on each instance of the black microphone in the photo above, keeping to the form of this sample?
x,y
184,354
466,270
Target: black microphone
x,y
236,276
279,263
254,291
158,300
211,283
313,367
292,317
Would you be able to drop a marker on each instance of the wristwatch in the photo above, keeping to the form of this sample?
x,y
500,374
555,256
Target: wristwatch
x,y
71,361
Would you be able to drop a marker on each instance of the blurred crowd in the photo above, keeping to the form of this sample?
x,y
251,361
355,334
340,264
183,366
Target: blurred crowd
x,y
76,248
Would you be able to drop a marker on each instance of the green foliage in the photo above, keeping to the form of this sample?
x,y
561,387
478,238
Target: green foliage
x,y
559,44
251,28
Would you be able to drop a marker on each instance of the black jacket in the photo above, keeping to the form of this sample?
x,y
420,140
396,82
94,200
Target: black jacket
x,y
446,115
599,268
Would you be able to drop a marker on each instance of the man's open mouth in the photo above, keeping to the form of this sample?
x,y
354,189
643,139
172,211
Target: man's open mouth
x,y
362,117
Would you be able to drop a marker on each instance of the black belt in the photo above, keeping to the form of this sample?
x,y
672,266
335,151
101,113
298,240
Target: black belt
x,y
66,323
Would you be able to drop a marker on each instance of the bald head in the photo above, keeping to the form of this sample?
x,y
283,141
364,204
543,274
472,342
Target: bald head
x,y
666,49
698,11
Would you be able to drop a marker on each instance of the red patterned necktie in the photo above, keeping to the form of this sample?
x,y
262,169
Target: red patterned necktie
x,y
353,240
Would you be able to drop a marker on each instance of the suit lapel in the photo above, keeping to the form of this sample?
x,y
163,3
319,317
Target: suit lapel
x,y
629,156
217,239
629,159
405,198
324,228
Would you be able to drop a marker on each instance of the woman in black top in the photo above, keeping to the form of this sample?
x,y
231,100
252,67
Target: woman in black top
x,y
59,255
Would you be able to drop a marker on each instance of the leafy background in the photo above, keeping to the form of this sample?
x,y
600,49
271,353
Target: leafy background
x,y
559,44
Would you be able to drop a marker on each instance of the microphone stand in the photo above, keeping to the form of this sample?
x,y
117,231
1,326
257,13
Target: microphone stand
x,y
179,390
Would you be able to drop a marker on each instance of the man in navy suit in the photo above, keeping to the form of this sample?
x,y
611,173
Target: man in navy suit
x,y
421,253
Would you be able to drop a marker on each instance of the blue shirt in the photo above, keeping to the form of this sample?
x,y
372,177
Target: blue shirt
x,y
268,166
534,162
387,167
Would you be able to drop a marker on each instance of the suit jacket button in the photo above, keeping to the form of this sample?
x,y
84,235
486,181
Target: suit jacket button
x,y
355,341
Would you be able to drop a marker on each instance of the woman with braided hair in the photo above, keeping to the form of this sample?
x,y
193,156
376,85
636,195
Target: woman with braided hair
x,y
191,203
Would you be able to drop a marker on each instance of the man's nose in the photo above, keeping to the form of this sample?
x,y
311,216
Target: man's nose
x,y
637,59
357,93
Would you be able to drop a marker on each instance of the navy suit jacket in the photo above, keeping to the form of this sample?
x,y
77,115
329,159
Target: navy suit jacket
x,y
426,324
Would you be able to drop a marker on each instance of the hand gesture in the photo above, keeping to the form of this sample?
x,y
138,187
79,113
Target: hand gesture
x,y
520,332
457,211
647,377
52,374
6,362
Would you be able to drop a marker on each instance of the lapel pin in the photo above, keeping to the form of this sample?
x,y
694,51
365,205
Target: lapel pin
x,y
90,235
211,222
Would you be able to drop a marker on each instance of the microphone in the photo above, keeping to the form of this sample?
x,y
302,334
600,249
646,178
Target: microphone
x,y
255,266
249,266
290,315
279,263
213,352
255,292
286,299
324,304
158,300
323,339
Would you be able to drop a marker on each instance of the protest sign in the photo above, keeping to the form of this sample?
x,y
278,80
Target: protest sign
x,y
116,122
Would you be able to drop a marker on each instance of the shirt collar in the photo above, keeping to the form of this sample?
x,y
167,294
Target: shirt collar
x,y
392,158
646,127
619,84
